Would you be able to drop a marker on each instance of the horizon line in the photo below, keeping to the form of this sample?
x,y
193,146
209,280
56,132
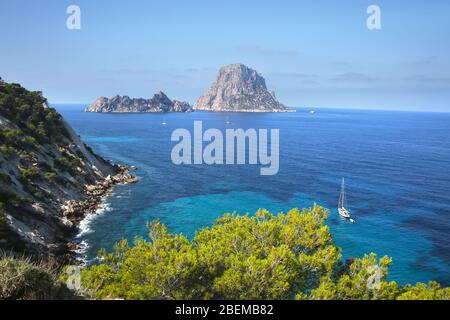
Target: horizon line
x,y
301,108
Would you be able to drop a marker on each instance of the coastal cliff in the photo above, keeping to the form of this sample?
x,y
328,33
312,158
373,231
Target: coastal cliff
x,y
158,103
49,179
241,89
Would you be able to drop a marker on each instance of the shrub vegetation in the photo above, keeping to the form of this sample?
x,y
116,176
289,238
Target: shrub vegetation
x,y
25,109
21,279
288,256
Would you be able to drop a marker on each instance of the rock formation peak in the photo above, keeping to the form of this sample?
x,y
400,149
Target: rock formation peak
x,y
239,88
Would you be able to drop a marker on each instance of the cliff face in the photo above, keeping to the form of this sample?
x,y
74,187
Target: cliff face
x,y
159,103
239,88
46,173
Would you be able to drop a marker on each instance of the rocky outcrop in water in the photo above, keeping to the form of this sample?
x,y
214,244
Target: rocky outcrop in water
x,y
239,88
159,103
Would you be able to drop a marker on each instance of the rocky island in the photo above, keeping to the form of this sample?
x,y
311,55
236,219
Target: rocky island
x,y
49,179
239,88
158,103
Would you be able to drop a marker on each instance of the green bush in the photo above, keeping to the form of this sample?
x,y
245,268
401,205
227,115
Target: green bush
x,y
16,139
7,151
245,257
28,141
67,163
29,173
430,291
11,137
50,176
20,279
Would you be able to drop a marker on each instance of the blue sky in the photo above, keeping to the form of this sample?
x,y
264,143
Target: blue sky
x,y
312,53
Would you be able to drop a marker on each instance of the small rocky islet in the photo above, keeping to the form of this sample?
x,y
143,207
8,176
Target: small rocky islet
x,y
158,103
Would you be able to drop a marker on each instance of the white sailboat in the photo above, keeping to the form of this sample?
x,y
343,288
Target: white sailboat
x,y
164,122
342,208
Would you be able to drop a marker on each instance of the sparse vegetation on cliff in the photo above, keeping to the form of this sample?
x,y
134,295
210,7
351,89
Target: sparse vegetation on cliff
x,y
44,165
26,110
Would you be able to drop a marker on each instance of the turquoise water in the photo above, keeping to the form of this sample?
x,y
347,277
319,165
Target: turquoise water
x,y
396,165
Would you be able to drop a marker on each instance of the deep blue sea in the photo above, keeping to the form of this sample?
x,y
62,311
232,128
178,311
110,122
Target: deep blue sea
x,y
396,166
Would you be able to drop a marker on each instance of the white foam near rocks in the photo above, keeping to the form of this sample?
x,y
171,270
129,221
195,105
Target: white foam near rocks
x,y
84,226
85,229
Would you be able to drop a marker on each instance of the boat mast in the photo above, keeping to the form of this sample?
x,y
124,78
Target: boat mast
x,y
342,195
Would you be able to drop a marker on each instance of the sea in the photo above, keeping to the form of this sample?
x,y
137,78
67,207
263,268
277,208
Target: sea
x,y
396,167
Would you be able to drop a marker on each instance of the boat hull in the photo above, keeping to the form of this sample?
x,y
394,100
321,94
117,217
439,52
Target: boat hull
x,y
344,213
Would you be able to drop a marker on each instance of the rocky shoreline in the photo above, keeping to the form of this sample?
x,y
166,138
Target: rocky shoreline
x,y
74,212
